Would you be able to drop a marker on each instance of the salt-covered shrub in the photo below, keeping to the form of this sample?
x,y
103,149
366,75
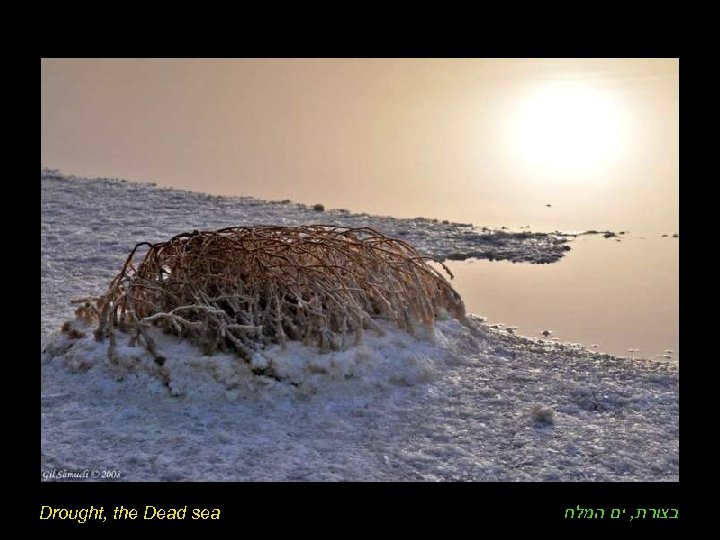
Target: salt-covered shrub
x,y
240,288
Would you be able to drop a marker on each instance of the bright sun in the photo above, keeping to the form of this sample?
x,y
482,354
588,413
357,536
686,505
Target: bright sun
x,y
568,128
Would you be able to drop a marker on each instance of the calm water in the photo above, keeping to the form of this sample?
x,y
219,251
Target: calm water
x,y
557,144
618,295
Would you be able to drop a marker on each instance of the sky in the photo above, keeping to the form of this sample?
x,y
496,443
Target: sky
x,y
487,141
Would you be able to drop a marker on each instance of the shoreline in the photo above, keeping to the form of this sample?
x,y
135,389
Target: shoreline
x,y
475,404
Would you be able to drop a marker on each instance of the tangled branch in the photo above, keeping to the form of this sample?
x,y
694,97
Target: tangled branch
x,y
240,288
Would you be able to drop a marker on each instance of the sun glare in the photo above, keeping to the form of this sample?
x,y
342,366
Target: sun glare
x,y
567,128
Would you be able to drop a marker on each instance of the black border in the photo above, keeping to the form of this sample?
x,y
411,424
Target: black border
x,y
367,507
361,507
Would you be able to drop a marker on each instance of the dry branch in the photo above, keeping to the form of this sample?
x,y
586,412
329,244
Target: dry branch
x,y
240,288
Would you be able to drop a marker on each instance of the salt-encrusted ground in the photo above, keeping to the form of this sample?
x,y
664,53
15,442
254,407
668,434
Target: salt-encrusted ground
x,y
457,405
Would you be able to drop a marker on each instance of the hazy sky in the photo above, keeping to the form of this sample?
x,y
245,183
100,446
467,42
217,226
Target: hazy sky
x,y
486,141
